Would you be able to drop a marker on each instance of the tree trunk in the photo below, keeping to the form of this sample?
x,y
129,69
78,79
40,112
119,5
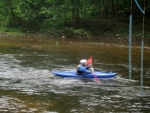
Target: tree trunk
x,y
11,13
113,9
101,11
75,15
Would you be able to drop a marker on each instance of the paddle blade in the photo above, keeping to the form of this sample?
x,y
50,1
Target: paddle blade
x,y
89,61
96,79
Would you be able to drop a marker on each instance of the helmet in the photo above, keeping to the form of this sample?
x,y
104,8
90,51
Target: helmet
x,y
83,61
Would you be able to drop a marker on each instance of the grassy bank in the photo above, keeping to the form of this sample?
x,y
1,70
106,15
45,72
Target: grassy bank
x,y
90,31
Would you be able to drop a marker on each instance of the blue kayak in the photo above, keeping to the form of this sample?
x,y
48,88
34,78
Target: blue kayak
x,y
72,74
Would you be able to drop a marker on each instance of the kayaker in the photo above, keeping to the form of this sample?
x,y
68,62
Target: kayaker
x,y
83,68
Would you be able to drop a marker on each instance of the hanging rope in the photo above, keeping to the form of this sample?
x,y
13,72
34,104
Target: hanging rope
x,y
131,7
139,6
143,22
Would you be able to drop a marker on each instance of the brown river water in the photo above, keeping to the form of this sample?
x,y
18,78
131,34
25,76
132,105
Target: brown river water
x,y
28,86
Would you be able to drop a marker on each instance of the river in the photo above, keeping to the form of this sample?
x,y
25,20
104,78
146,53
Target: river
x,y
28,86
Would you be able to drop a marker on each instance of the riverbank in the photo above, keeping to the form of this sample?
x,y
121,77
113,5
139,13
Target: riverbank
x,y
120,39
117,33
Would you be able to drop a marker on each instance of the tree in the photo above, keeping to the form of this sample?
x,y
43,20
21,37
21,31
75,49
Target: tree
x,y
8,11
45,14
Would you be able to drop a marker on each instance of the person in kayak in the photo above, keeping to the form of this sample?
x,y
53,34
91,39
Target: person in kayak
x,y
83,68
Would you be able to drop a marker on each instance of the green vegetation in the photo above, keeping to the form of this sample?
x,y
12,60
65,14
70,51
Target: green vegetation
x,y
72,18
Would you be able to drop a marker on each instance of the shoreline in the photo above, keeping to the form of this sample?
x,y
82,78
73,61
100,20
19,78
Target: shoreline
x,y
115,39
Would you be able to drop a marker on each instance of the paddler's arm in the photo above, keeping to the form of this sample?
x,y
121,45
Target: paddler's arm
x,y
92,70
90,67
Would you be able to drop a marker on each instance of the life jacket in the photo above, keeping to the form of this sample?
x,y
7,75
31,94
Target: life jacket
x,y
83,70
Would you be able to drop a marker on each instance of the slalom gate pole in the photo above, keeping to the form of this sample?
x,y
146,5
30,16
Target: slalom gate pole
x,y
142,47
130,43
130,46
142,53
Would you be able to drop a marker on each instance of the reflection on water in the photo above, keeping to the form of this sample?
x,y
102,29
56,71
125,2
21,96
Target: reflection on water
x,y
27,84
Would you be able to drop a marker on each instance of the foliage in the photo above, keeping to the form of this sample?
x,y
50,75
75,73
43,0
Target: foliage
x,y
79,16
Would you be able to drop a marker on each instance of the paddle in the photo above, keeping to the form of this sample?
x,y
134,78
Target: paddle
x,y
90,62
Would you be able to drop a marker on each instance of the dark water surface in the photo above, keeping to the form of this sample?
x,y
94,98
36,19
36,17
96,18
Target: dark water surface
x,y
28,86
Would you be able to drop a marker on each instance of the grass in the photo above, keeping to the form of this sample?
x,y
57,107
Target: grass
x,y
10,31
